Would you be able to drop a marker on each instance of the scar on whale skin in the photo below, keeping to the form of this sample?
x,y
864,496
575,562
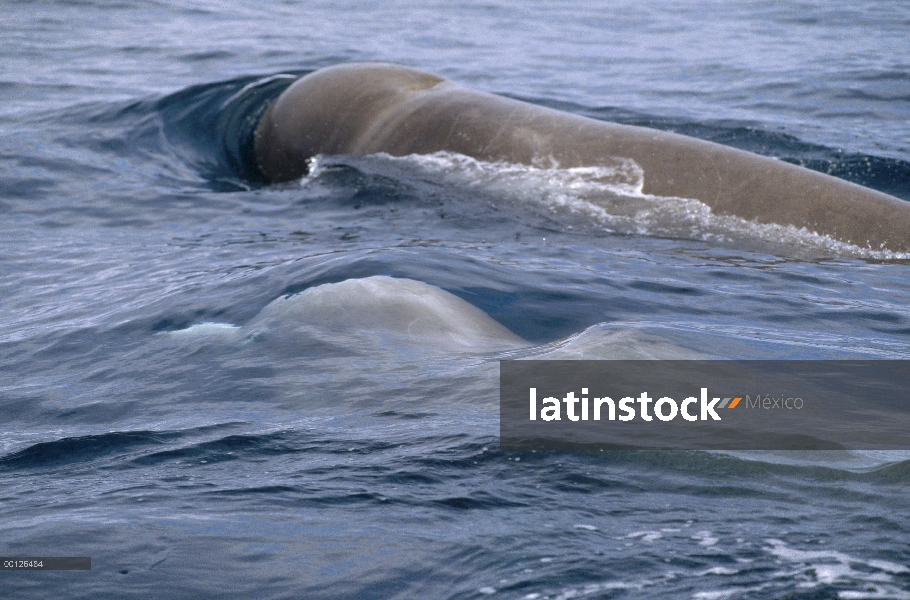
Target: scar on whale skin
x,y
371,108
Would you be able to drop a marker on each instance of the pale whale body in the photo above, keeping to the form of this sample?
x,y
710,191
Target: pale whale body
x,y
379,108
410,310
397,312
404,307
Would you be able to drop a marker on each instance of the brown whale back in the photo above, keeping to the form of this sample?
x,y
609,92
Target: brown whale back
x,y
370,108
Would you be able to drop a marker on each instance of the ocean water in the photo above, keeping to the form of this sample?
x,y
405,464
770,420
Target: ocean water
x,y
214,387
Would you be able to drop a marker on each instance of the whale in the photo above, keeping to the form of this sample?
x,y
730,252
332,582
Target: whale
x,y
371,108
407,310
397,311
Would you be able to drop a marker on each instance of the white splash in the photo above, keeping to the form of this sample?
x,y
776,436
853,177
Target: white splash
x,y
827,567
605,198
208,329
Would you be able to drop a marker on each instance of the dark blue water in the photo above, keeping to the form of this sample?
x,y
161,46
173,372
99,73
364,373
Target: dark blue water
x,y
168,413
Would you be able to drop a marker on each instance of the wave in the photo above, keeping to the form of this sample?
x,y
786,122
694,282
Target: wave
x,y
432,458
87,448
212,125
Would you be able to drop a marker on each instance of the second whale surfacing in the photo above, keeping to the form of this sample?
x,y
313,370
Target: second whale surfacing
x,y
371,108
